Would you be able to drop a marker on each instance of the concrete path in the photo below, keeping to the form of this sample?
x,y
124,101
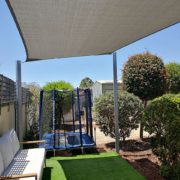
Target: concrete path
x,y
101,139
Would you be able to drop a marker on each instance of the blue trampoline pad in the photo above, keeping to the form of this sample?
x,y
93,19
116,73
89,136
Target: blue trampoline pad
x,y
68,140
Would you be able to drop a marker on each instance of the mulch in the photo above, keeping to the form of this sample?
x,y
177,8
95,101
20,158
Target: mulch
x,y
147,168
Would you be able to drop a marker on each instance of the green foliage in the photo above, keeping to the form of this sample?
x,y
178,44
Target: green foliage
x,y
145,76
32,110
31,135
162,119
63,85
173,70
86,83
63,100
130,109
32,114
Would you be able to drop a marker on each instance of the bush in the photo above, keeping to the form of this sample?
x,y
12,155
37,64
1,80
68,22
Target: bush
x,y
173,70
162,119
130,109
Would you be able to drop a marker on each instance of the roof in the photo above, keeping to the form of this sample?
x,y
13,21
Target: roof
x,y
69,28
107,81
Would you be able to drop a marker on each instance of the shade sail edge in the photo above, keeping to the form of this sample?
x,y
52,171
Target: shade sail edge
x,y
18,27
88,53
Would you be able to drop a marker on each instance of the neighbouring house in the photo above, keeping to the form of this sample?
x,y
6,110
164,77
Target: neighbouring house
x,y
103,86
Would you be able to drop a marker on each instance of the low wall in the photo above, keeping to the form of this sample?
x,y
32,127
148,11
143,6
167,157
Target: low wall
x,y
8,118
8,105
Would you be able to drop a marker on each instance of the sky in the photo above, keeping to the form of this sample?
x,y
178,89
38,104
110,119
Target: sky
x,y
165,44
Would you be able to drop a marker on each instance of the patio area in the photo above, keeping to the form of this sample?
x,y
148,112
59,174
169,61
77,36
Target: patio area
x,y
55,29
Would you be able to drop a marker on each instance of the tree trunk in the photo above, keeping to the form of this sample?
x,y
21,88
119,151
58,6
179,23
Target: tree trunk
x,y
141,123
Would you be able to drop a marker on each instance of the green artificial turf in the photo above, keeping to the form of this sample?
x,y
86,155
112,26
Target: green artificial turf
x,y
100,166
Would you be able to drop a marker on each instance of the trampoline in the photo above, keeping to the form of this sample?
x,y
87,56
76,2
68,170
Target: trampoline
x,y
65,119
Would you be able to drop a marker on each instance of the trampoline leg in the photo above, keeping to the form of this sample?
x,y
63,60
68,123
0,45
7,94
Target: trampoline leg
x,y
82,150
45,163
95,135
54,152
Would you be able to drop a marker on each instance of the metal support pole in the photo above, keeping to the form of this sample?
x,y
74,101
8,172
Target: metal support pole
x,y
40,114
53,114
72,104
79,116
90,113
116,102
18,101
87,112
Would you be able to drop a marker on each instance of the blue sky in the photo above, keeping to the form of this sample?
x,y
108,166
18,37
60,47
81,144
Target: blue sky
x,y
165,44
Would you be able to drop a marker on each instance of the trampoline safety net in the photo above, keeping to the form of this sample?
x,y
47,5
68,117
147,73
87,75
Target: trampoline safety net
x,y
65,119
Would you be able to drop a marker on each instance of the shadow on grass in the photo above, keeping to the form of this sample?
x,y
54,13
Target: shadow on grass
x,y
47,173
102,168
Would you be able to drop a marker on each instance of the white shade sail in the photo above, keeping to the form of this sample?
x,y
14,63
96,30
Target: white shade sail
x,y
69,28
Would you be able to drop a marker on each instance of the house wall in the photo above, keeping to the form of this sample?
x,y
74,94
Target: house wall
x,y
96,90
101,88
7,106
108,87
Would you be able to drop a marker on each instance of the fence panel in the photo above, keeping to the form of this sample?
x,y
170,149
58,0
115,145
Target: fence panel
x,y
8,91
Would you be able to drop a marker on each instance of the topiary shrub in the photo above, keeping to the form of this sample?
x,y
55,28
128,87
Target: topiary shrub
x,y
173,70
144,75
130,109
162,119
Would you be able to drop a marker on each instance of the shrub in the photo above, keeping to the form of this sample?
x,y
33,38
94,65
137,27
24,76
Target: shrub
x,y
32,114
144,75
130,109
173,70
162,119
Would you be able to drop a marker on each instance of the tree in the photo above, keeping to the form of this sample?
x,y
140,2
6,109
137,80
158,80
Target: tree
x,y
63,103
62,85
63,100
86,83
162,120
130,109
144,75
173,70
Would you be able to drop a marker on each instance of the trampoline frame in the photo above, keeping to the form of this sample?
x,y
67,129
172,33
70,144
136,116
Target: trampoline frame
x,y
89,127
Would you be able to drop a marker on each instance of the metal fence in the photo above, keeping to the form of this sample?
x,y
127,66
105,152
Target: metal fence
x,y
8,91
